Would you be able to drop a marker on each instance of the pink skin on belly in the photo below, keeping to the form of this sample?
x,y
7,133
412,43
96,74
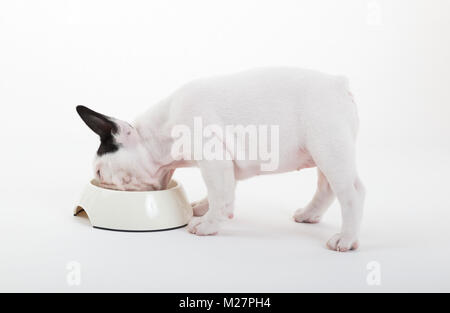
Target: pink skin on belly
x,y
301,160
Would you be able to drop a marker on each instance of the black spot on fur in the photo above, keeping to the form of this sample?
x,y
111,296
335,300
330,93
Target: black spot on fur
x,y
103,126
108,145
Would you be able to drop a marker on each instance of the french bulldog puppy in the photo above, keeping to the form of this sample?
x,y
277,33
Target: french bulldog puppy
x,y
316,121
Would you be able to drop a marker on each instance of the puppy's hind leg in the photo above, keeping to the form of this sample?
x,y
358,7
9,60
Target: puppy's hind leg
x,y
336,159
322,200
351,197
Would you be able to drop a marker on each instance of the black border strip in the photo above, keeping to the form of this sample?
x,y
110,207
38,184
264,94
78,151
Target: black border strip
x,y
140,231
133,231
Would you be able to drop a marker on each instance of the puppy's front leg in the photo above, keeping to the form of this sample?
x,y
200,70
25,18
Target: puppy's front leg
x,y
200,207
220,182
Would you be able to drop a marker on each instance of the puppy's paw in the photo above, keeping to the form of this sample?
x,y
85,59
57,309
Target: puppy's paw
x,y
343,243
307,216
202,226
200,208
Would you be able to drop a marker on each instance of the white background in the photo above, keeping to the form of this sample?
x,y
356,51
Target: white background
x,y
120,57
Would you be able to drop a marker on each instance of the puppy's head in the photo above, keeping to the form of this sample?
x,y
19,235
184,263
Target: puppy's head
x,y
122,161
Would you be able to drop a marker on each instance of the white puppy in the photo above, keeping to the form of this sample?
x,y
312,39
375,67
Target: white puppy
x,y
317,126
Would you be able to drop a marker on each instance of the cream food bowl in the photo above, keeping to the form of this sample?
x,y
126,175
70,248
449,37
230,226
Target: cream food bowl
x,y
141,211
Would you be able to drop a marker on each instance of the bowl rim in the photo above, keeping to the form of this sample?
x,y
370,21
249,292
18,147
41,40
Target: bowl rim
x,y
176,187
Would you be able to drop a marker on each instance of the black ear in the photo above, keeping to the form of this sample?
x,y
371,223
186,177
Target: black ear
x,y
102,125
